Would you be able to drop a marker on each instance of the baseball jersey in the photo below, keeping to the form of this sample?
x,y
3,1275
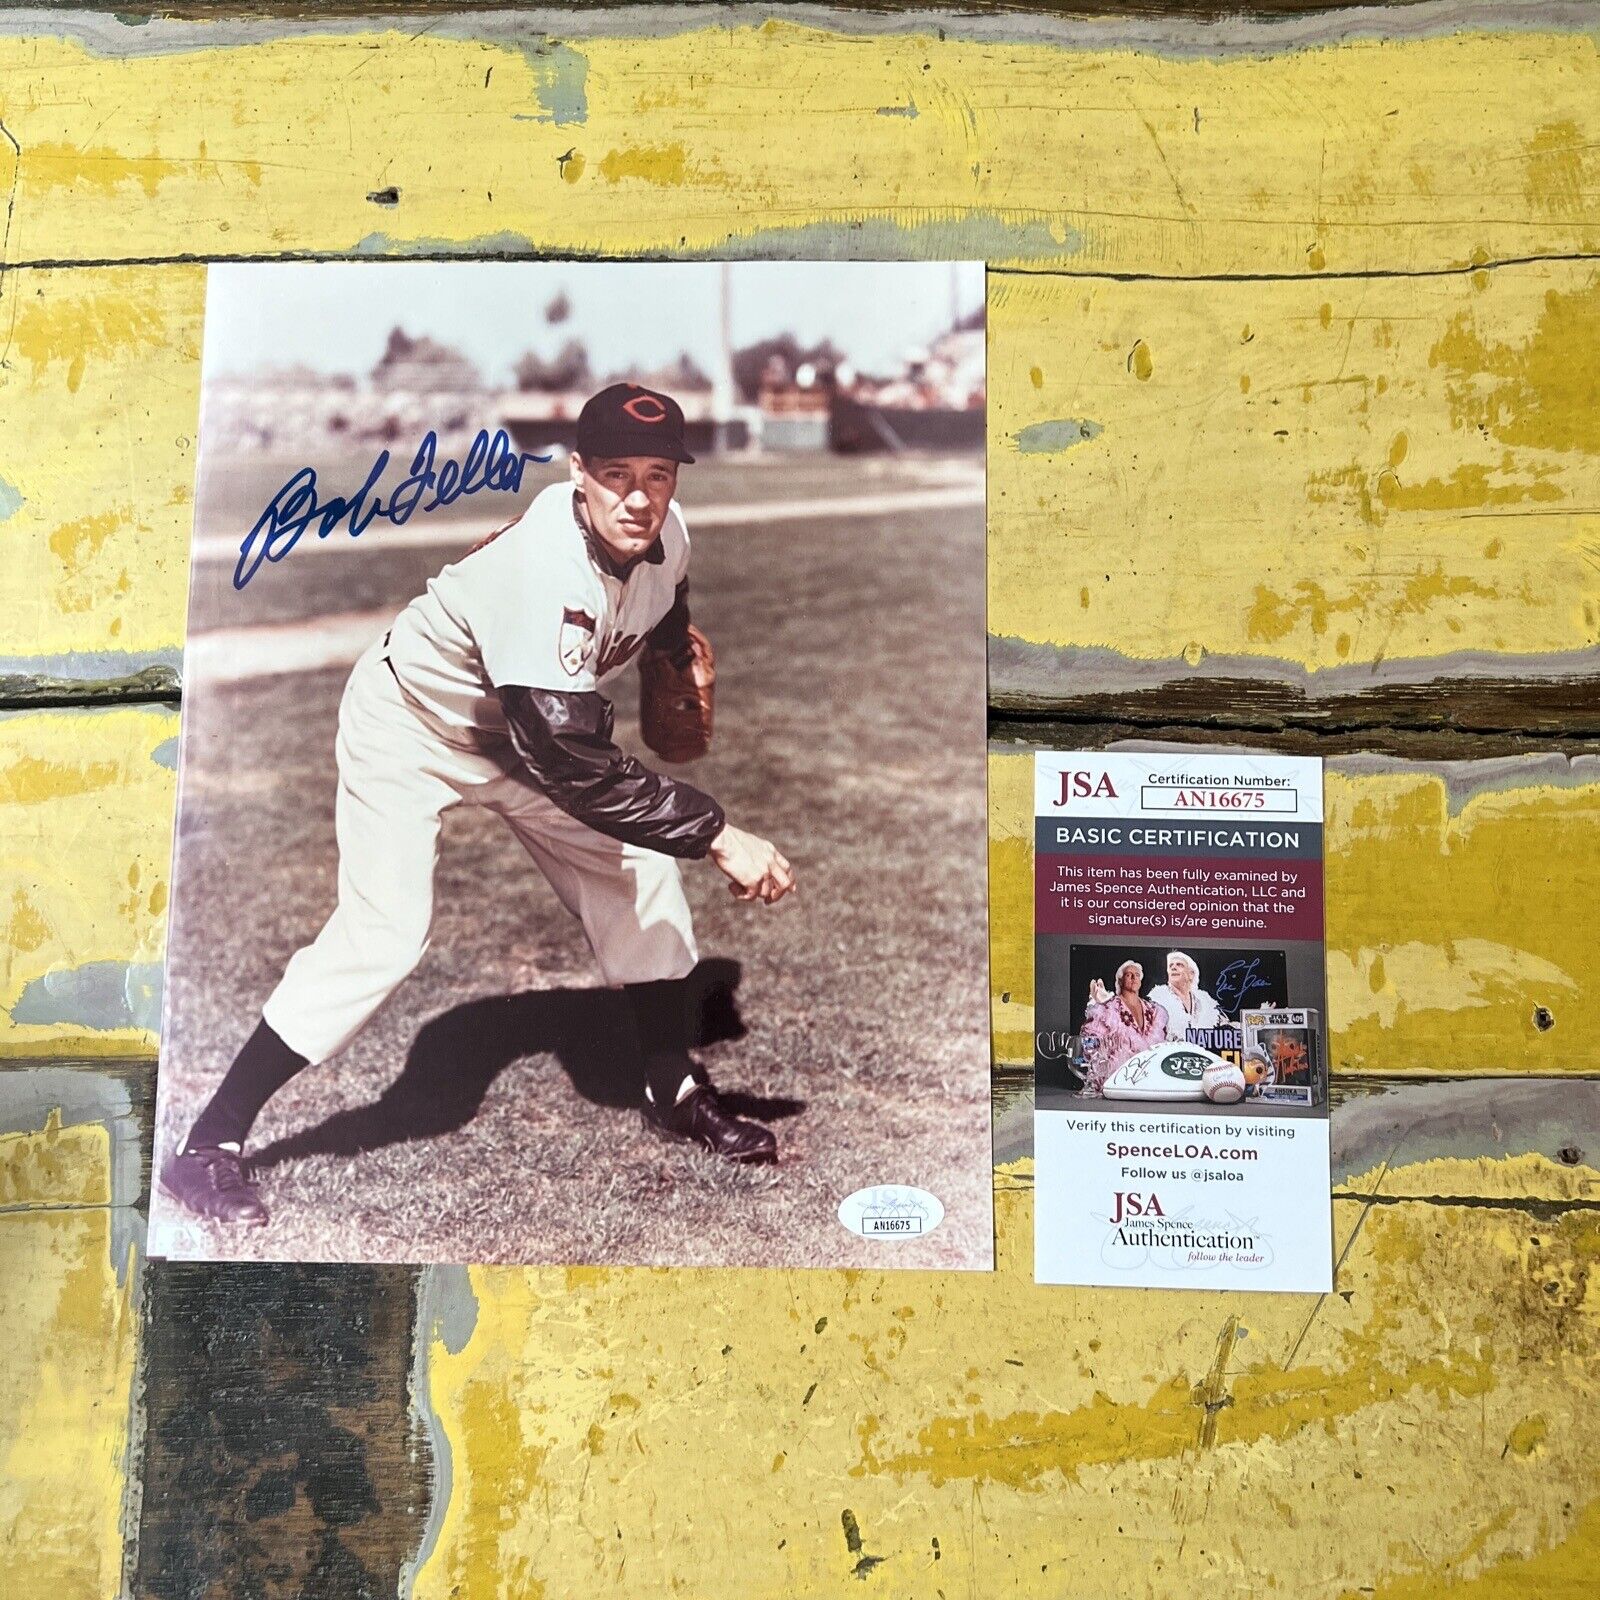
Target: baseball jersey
x,y
533,605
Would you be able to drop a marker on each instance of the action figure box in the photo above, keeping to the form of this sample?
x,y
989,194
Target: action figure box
x,y
1283,1057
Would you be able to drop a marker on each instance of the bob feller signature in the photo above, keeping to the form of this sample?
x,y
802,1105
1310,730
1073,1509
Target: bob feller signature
x,y
490,463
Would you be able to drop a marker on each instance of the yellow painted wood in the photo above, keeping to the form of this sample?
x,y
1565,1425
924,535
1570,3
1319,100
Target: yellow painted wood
x,y
1402,153
86,805
1300,475
56,1166
68,1338
1460,898
100,392
1425,1431
1510,1179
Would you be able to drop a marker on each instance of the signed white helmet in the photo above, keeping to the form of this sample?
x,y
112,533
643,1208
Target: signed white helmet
x,y
1168,1072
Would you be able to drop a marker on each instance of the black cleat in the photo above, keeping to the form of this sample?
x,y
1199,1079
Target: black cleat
x,y
214,1184
700,1119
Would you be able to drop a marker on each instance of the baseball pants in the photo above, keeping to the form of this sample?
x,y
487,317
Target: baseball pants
x,y
398,775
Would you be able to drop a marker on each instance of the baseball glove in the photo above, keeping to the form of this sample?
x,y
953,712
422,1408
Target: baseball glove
x,y
676,690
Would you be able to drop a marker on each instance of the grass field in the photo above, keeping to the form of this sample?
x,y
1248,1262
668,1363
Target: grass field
x,y
484,1115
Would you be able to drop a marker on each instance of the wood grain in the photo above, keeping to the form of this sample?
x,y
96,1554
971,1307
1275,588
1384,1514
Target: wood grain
x,y
279,1454
1103,148
70,1183
1430,1413
87,797
1333,489
1405,196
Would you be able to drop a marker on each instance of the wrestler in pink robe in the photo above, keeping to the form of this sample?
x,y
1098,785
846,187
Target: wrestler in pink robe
x,y
1112,1024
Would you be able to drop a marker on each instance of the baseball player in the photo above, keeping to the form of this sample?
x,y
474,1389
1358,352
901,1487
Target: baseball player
x,y
490,688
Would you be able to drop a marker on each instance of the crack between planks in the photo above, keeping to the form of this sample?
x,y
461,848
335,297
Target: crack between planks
x,y
1325,276
1027,725
95,698
534,253
5,238
1544,1210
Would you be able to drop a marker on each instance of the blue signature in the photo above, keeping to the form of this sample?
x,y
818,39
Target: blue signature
x,y
1238,979
489,464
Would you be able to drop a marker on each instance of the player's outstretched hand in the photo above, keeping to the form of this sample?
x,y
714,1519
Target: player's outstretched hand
x,y
755,867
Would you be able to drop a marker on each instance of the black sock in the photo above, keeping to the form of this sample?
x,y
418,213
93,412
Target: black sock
x,y
661,1016
259,1070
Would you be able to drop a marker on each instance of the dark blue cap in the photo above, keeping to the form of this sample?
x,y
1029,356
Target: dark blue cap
x,y
630,420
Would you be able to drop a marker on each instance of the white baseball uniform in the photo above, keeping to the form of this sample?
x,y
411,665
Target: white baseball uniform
x,y
421,729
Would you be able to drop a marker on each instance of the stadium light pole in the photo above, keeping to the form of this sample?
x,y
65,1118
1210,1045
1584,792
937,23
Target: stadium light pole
x,y
722,391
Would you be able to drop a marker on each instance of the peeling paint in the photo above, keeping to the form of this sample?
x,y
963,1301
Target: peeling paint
x,y
1536,391
95,571
1453,1327
56,1100
96,666
1394,454
1172,36
103,995
1480,1127
11,501
503,243
71,1238
977,235
1061,433
560,75
1022,670
447,1315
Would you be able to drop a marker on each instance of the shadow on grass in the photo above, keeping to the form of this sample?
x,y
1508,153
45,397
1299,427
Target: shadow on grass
x,y
457,1056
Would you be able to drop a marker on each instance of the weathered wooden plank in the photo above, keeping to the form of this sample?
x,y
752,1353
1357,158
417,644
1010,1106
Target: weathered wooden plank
x,y
69,1327
425,9
1425,1429
100,390
1095,146
86,799
280,1457
1292,500
1461,910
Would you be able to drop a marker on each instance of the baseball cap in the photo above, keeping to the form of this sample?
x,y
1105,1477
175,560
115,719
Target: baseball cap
x,y
627,419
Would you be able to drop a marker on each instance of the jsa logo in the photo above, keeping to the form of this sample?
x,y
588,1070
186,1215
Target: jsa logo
x,y
1085,786
1129,1204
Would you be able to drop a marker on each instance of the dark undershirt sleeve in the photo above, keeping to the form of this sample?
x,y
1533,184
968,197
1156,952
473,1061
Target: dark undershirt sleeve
x,y
564,740
670,636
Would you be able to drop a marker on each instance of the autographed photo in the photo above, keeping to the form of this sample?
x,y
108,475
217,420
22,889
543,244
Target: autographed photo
x,y
581,828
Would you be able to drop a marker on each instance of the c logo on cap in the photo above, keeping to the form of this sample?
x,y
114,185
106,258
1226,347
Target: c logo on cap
x,y
645,408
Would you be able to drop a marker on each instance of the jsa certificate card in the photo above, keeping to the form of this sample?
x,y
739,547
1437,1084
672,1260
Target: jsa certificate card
x,y
1180,1058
